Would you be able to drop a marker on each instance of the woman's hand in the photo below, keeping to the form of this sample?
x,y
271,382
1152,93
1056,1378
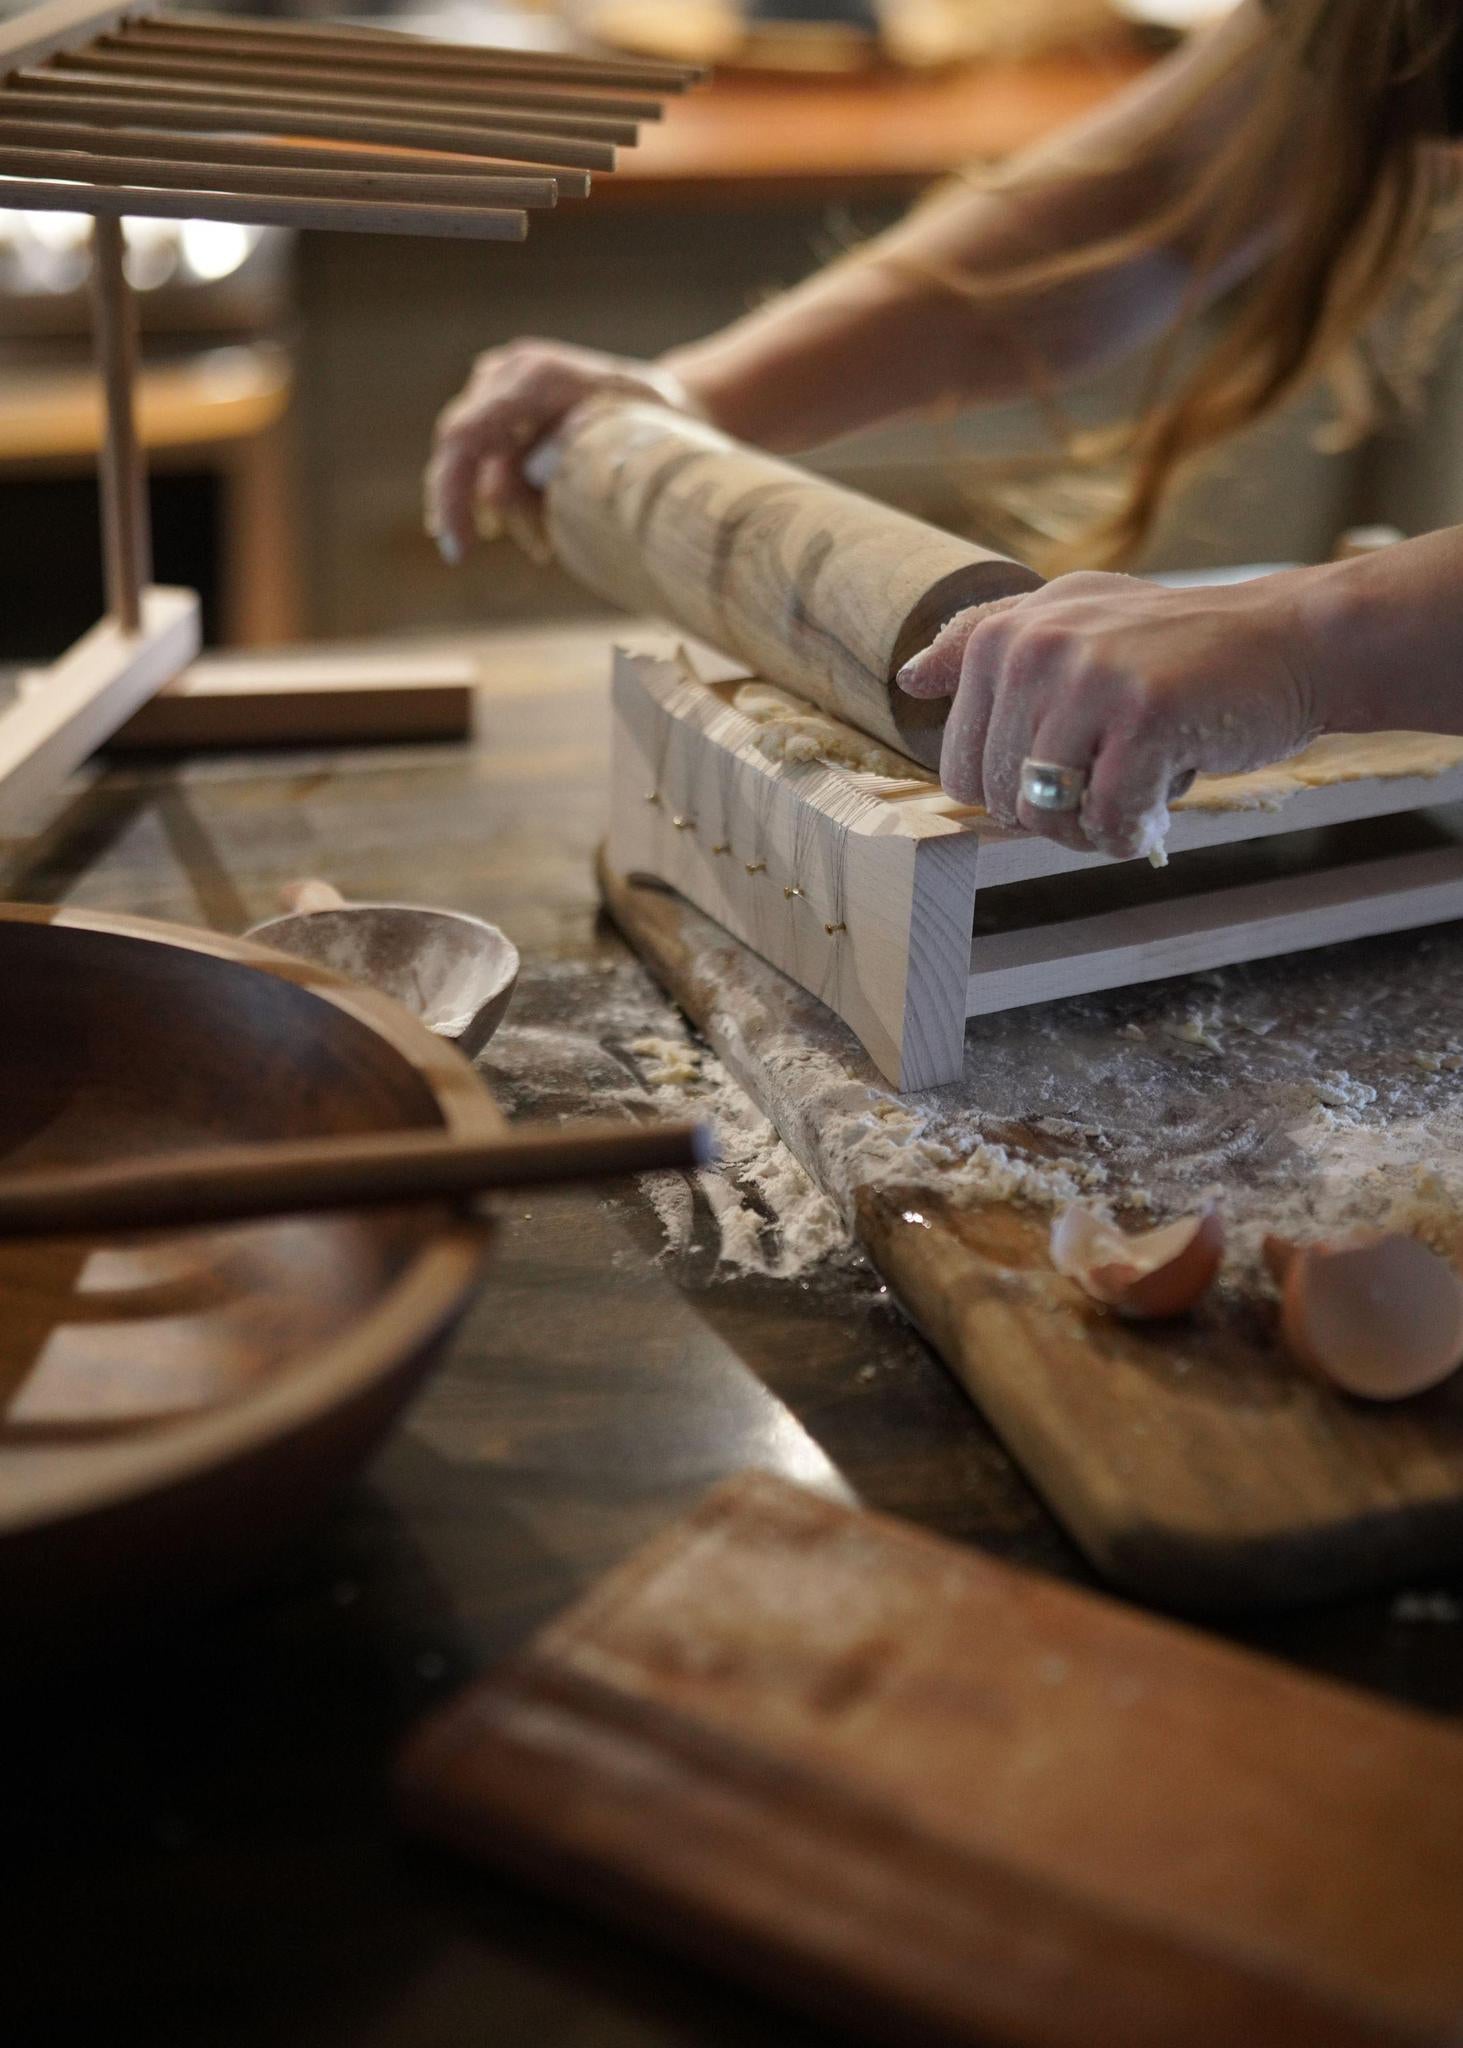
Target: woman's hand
x,y
516,395
1137,685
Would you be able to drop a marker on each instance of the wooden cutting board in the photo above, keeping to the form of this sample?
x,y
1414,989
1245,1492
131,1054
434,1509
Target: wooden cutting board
x,y
922,1792
1193,1464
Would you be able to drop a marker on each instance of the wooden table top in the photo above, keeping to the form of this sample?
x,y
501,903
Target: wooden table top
x,y
750,136
197,1830
203,400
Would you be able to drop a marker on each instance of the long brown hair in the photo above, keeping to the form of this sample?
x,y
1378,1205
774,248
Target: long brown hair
x,y
1333,147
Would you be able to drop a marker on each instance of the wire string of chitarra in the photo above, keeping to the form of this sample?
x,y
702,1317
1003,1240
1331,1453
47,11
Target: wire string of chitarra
x,y
294,125
741,800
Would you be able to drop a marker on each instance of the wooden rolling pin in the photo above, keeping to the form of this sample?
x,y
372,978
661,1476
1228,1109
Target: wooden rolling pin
x,y
227,1183
817,588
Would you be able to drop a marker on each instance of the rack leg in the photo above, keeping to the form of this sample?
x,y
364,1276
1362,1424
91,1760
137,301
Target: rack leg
x,y
125,538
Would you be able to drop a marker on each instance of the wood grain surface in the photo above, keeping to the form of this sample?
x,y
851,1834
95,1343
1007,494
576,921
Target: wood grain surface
x,y
949,1801
157,1390
1194,1465
813,585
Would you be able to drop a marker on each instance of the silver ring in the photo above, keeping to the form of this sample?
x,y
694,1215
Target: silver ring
x,y
1048,786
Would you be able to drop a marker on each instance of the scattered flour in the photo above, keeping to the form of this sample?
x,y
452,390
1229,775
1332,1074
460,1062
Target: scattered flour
x,y
1306,1097
770,1217
579,1031
1288,1093
623,1044
671,1197
860,1134
1341,1091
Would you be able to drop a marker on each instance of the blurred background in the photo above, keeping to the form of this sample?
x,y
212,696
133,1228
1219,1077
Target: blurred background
x,y
291,382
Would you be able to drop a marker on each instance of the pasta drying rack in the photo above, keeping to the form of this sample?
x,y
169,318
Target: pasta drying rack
x,y
128,110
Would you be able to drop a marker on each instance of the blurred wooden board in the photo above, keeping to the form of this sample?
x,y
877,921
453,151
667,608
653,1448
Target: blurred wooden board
x,y
752,137
826,40
944,1800
309,697
1192,1463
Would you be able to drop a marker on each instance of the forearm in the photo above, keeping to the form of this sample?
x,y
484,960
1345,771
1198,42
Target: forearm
x,y
1381,637
887,332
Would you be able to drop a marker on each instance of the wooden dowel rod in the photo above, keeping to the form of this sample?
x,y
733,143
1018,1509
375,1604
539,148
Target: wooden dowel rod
x,y
33,33
244,39
233,1182
471,223
503,187
461,141
117,53
392,102
122,475
392,188
649,73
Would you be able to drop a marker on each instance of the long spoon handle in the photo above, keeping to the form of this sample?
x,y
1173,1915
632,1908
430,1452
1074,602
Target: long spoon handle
x,y
229,1183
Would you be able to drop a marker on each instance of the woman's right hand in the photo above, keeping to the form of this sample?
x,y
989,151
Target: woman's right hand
x,y
514,397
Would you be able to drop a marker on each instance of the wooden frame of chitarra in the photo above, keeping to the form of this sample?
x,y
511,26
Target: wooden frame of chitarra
x,y
118,109
907,917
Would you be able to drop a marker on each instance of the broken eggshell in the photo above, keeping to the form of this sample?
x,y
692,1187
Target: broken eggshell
x,y
1145,1276
1378,1314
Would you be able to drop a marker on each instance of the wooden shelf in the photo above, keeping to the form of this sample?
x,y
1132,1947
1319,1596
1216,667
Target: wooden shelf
x,y
758,137
204,400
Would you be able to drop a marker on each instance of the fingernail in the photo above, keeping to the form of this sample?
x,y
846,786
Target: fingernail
x,y
905,676
449,547
541,464
488,523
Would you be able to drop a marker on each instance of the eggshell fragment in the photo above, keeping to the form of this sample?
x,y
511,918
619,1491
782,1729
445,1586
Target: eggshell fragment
x,y
1378,1315
1151,1274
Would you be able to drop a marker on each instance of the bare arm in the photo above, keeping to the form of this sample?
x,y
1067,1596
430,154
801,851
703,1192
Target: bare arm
x,y
879,334
1381,638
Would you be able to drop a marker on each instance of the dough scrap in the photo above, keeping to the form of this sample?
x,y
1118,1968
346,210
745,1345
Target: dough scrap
x,y
670,1063
790,730
1341,757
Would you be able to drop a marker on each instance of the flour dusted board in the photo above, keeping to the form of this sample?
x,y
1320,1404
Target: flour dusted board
x,y
1193,1465
950,1802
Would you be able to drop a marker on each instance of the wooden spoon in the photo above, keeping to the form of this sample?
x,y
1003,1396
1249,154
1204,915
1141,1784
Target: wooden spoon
x,y
228,1183
456,972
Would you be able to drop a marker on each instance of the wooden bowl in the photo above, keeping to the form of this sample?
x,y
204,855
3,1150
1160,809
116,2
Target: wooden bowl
x,y
174,1404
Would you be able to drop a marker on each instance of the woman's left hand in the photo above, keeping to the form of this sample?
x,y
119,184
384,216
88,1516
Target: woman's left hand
x,y
1136,685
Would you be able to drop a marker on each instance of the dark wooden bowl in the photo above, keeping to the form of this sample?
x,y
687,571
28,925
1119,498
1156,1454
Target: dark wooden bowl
x,y
172,1405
